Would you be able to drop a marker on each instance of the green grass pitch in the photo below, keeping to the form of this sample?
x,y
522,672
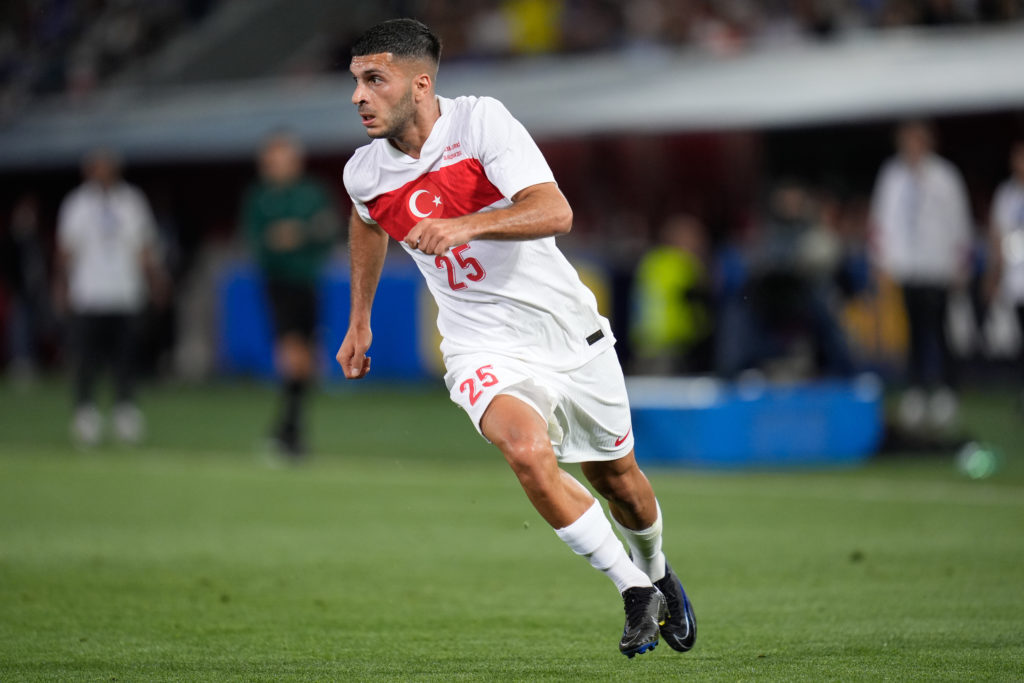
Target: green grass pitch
x,y
406,551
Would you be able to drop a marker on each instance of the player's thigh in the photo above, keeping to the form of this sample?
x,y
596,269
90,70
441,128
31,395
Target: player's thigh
x,y
518,430
594,412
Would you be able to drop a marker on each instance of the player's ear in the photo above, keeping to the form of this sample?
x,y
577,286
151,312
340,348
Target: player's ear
x,y
423,86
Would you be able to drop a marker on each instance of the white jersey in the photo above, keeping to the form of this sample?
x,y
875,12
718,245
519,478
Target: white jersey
x,y
104,233
521,299
1008,222
923,221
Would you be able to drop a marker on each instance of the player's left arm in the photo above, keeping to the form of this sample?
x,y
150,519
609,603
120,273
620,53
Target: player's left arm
x,y
537,211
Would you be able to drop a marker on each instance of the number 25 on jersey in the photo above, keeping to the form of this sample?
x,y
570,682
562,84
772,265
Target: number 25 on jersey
x,y
468,267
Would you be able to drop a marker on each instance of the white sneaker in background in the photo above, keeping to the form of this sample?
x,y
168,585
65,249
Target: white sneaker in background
x,y
913,409
943,408
87,426
129,424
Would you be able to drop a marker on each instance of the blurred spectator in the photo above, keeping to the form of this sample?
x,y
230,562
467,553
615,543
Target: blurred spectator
x,y
534,25
671,325
74,46
105,253
788,298
591,25
1000,10
487,29
291,226
1007,233
23,256
54,46
922,219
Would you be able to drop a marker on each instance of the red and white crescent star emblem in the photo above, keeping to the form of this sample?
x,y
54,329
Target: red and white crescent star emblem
x,y
432,202
425,201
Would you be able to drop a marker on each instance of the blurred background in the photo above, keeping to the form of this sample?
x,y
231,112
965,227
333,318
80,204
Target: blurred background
x,y
804,219
734,168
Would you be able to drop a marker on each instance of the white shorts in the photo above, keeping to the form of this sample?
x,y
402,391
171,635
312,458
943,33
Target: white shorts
x,y
586,409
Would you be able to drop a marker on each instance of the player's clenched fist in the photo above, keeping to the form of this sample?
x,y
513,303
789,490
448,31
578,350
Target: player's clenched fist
x,y
435,236
352,355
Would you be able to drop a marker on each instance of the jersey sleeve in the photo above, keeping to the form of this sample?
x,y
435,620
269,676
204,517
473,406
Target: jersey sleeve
x,y
361,209
510,157
348,176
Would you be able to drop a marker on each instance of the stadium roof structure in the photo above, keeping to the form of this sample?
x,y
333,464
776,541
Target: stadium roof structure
x,y
874,76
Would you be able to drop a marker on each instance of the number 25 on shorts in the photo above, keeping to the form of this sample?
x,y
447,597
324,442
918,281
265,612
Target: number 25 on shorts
x,y
486,380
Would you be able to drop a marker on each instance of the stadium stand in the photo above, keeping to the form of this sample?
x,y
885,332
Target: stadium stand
x,y
74,47
77,47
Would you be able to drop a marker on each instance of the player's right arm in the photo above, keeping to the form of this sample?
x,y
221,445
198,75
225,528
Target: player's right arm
x,y
368,246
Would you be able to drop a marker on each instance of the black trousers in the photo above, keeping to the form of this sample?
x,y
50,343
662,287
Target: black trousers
x,y
294,308
105,341
929,362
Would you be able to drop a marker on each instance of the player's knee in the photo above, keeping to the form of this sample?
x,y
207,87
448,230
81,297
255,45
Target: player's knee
x,y
528,456
525,454
294,357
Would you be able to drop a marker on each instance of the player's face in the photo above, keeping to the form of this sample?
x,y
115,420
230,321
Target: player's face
x,y
383,95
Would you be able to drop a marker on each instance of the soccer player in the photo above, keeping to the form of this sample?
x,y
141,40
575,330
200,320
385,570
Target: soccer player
x,y
464,189
291,226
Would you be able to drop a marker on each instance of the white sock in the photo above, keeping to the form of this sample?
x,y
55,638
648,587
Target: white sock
x,y
646,547
591,536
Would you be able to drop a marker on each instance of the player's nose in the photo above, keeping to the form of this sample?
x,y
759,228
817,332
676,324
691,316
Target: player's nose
x,y
357,95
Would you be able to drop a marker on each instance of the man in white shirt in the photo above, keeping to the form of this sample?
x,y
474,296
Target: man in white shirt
x,y
106,253
922,221
461,185
1007,235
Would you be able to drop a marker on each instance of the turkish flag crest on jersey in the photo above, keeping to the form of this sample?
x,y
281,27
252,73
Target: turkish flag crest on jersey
x,y
451,191
425,200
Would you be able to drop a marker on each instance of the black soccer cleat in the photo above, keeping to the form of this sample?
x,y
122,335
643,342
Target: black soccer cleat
x,y
680,629
646,610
